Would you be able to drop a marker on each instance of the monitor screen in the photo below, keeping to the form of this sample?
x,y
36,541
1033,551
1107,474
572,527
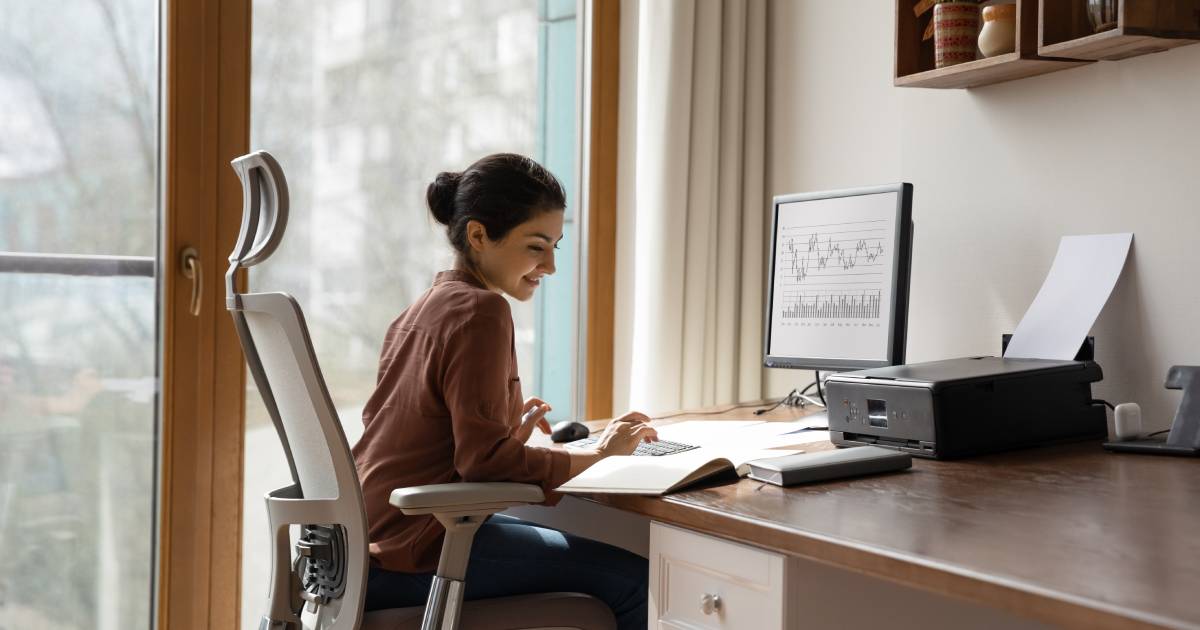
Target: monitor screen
x,y
838,292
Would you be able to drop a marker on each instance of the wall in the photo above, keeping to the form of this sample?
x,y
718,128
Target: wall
x,y
1000,173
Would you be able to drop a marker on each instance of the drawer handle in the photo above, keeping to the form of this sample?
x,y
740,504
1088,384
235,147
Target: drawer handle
x,y
710,604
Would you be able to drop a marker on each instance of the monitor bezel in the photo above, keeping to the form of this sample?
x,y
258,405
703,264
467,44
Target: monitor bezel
x,y
901,272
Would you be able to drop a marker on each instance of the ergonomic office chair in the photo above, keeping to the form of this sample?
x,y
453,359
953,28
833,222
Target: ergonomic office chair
x,y
323,586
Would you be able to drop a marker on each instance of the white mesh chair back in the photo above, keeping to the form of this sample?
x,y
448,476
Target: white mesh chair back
x,y
325,586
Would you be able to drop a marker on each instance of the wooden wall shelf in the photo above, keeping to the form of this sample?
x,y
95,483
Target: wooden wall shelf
x,y
1143,27
915,64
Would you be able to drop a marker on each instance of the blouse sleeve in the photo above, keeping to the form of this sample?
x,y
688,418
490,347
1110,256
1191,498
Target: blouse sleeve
x,y
476,386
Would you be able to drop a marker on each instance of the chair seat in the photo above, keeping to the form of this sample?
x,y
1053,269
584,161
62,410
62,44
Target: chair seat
x,y
544,611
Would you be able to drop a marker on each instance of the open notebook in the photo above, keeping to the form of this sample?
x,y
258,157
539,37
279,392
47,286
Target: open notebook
x,y
659,475
724,445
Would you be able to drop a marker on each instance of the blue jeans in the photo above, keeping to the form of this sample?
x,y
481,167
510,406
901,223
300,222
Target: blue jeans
x,y
513,557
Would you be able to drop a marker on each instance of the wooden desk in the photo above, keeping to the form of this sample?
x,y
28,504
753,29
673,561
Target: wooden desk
x,y
1071,535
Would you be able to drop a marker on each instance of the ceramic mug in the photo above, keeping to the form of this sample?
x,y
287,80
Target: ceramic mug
x,y
955,31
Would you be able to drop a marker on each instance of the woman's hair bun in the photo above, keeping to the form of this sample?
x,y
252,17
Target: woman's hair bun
x,y
440,196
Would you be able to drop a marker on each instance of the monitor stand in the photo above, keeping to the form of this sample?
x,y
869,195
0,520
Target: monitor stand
x,y
1184,436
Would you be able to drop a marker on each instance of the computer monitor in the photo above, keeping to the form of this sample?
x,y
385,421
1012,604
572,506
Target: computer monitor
x,y
838,293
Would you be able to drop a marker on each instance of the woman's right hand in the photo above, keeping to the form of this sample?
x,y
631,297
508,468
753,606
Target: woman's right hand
x,y
623,435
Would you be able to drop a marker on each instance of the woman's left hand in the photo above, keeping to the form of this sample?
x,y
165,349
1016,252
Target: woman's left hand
x,y
533,414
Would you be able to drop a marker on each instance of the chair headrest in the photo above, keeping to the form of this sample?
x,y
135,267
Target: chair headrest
x,y
264,208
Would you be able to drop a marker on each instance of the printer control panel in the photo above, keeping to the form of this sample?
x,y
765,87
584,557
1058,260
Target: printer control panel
x,y
883,414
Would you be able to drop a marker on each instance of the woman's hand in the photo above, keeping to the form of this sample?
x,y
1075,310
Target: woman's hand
x,y
623,435
533,414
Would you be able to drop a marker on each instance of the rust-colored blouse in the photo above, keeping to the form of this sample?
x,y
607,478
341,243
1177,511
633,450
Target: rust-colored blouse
x,y
447,401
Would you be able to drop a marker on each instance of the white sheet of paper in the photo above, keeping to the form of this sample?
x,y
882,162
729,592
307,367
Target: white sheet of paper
x,y
703,432
741,434
1083,275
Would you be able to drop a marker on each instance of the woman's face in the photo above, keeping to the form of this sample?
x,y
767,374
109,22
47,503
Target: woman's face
x,y
516,263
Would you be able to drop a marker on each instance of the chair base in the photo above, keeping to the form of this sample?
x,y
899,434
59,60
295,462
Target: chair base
x,y
541,611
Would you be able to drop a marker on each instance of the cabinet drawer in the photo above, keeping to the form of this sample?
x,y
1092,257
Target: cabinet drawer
x,y
699,581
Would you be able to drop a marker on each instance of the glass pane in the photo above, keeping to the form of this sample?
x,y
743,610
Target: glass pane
x,y
78,340
79,127
363,102
77,419
557,325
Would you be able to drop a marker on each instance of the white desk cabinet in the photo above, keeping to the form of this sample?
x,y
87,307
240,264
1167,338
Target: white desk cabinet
x,y
698,581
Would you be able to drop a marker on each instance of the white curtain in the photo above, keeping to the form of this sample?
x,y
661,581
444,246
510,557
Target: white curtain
x,y
700,216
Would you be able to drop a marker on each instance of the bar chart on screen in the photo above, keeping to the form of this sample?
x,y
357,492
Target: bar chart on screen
x,y
832,304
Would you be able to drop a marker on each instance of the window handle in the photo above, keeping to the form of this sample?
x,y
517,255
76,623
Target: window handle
x,y
189,262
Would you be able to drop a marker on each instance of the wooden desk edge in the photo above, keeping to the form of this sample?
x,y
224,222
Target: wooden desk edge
x,y
1020,598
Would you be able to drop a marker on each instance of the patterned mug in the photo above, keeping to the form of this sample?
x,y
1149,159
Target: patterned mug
x,y
955,32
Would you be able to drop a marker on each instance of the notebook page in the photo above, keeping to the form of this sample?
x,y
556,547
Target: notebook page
x,y
628,474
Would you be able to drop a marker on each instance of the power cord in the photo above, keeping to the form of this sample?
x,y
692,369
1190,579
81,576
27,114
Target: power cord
x,y
793,399
708,413
1130,429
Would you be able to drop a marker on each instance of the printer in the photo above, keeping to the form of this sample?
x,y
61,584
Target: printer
x,y
962,407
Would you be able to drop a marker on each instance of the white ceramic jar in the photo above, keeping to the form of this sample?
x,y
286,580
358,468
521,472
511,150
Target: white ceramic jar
x,y
999,33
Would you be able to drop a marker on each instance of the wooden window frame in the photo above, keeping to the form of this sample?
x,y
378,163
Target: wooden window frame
x,y
601,185
206,114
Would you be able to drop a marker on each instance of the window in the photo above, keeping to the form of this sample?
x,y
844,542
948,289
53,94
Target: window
x,y
78,338
448,83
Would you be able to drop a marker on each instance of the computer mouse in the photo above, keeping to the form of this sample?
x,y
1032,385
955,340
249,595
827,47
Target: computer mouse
x,y
569,431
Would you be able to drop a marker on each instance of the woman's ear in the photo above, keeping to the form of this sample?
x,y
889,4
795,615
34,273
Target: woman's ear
x,y
476,235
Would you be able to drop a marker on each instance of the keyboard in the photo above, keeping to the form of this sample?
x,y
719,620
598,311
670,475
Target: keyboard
x,y
651,449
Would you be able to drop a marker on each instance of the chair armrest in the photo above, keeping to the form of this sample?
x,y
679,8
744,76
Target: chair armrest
x,y
465,498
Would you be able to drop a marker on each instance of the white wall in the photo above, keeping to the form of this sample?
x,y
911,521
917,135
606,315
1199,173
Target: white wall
x,y
1000,173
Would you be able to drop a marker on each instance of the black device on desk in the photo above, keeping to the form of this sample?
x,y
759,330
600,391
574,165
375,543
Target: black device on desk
x,y
969,406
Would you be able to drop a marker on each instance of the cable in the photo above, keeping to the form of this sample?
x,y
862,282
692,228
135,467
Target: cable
x,y
1097,401
790,396
1158,433
820,394
709,413
812,401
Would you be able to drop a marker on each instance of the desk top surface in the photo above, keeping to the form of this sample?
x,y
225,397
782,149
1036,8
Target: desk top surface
x,y
1070,534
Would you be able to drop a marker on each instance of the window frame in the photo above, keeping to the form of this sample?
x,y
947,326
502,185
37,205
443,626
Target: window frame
x,y
204,57
601,61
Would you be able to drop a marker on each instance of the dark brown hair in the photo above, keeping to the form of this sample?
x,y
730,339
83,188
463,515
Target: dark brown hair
x,y
501,191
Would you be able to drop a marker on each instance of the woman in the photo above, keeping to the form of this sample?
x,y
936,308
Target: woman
x,y
447,407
